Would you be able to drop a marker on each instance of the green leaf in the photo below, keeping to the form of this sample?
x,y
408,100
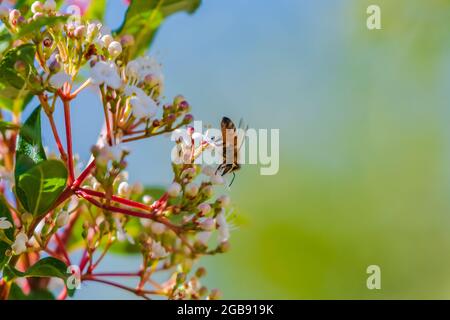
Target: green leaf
x,y
39,188
16,293
11,78
45,268
5,213
29,149
144,17
37,25
96,10
19,101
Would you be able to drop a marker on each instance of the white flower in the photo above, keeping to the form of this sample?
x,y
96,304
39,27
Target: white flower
x,y
106,72
205,138
143,107
36,7
174,190
58,79
191,190
20,244
5,224
92,30
4,12
222,227
50,5
203,237
158,250
108,153
123,189
63,218
121,234
115,49
142,67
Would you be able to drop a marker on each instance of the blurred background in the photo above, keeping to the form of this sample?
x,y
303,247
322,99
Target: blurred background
x,y
364,143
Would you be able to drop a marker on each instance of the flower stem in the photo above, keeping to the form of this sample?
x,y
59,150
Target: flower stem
x,y
69,140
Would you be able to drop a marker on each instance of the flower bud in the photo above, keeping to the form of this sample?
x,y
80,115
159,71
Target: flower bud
x,y
115,49
127,40
174,190
26,218
157,228
224,201
37,7
188,119
106,40
14,15
207,224
49,5
63,218
147,199
54,66
79,32
204,209
224,247
124,189
191,190
208,191
47,42
201,272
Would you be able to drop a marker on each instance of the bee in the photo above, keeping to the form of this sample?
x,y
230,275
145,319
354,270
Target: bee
x,y
230,148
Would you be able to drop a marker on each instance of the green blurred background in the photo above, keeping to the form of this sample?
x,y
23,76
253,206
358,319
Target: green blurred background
x,y
363,118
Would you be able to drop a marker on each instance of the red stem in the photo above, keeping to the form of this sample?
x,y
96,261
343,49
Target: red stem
x,y
117,274
69,140
127,202
84,175
61,248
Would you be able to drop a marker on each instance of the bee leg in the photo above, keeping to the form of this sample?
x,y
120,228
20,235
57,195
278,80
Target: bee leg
x,y
232,180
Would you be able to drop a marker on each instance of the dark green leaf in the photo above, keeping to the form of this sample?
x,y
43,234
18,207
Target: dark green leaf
x,y
10,77
46,268
39,188
29,150
144,17
5,213
37,25
16,293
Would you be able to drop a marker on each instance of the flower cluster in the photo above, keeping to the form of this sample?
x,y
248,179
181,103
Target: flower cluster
x,y
97,209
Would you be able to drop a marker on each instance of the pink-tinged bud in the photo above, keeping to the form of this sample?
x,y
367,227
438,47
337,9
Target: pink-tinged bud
x,y
79,32
156,123
178,99
224,201
14,15
190,130
207,224
204,209
123,189
115,49
191,190
50,5
127,40
171,118
217,180
174,190
188,118
208,191
147,199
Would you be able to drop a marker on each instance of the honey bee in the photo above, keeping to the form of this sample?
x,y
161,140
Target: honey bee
x,y
230,148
